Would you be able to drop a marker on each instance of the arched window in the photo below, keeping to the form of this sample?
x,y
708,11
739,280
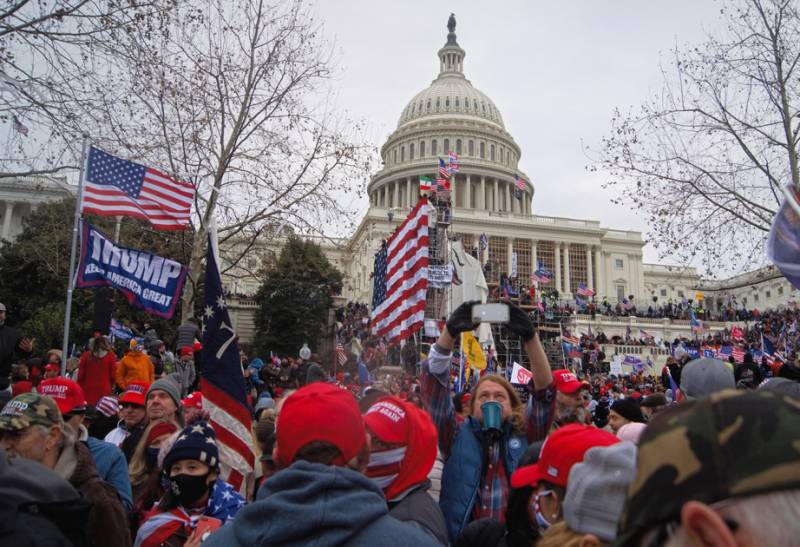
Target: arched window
x,y
446,146
491,152
483,150
457,102
447,102
471,148
429,105
437,103
502,155
458,146
434,147
394,160
402,153
421,149
475,104
411,151
413,107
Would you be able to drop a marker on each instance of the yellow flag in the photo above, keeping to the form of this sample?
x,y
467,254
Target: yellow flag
x,y
473,352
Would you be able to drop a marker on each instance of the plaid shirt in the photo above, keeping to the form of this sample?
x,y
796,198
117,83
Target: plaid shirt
x,y
493,495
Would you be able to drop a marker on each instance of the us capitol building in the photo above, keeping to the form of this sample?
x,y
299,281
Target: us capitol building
x,y
452,115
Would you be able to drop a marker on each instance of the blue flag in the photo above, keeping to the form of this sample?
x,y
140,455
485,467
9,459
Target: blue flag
x,y
767,347
222,381
783,244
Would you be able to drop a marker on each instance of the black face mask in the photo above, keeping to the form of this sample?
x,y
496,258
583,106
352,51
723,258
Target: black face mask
x,y
189,488
151,455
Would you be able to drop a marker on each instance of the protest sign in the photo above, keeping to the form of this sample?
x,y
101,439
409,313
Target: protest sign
x,y
148,281
439,276
520,375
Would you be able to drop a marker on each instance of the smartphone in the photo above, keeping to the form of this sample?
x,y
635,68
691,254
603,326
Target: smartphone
x,y
206,526
490,313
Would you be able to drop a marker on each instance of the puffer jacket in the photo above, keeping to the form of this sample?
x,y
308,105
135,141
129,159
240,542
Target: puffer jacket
x,y
134,366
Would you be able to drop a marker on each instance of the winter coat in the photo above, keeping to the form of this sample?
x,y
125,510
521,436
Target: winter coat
x,y
108,522
96,375
463,470
38,507
185,336
111,466
184,375
419,507
135,365
314,505
9,352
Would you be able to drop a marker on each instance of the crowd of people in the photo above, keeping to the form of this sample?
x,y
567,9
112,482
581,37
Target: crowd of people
x,y
121,451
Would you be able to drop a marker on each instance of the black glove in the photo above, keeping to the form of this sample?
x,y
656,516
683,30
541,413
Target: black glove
x,y
461,319
520,323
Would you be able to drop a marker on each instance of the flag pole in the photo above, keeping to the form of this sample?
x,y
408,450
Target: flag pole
x,y
70,279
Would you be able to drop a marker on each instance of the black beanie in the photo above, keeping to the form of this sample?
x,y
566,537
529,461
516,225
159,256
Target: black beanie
x,y
628,409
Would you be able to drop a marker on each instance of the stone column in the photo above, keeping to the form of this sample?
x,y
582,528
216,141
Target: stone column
x,y
410,192
468,193
496,195
482,202
509,253
567,284
396,193
589,272
557,248
534,262
508,195
601,272
7,220
453,190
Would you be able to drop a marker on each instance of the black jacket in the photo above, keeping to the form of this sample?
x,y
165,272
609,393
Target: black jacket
x,y
418,507
9,352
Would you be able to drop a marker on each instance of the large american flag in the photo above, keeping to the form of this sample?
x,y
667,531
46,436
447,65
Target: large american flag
x,y
520,187
222,382
117,187
400,278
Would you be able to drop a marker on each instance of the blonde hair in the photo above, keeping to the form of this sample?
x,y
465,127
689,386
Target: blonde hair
x,y
137,468
561,535
518,425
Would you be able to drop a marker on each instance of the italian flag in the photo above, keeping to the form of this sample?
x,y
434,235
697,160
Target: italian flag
x,y
425,184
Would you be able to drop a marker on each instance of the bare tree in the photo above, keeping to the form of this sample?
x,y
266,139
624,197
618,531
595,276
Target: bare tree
x,y
49,54
232,97
707,156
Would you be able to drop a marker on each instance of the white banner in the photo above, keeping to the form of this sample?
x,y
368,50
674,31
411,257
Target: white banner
x,y
520,375
439,276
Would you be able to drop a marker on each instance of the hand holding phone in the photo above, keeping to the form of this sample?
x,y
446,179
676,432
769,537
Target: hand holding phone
x,y
490,313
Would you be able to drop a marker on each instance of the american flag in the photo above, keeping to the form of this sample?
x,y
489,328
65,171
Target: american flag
x,y
574,340
584,291
737,333
444,172
400,279
222,382
738,354
117,187
520,187
541,274
646,334
442,187
452,161
341,354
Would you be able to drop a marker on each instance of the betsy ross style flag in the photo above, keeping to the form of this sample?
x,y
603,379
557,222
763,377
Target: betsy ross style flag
x,y
222,381
117,187
400,278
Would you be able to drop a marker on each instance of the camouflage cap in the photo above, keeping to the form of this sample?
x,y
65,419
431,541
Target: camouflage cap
x,y
29,409
731,444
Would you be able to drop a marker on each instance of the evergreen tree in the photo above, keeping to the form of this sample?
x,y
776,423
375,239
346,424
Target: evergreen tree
x,y
294,298
33,274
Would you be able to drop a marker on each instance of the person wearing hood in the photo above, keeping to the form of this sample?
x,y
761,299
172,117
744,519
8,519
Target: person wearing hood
x,y
402,453
184,372
194,490
32,428
134,366
96,369
320,495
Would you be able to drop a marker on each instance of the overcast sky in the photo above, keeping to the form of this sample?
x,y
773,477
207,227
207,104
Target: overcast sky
x,y
555,70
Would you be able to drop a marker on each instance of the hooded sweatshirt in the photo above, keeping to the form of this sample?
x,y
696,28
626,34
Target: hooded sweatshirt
x,y
315,505
135,365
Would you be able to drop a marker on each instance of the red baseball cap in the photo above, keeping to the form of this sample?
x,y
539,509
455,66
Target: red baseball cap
x,y
566,382
320,412
67,394
135,393
194,399
52,367
387,420
186,350
562,449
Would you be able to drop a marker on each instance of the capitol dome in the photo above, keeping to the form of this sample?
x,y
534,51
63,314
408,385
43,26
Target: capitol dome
x,y
451,115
